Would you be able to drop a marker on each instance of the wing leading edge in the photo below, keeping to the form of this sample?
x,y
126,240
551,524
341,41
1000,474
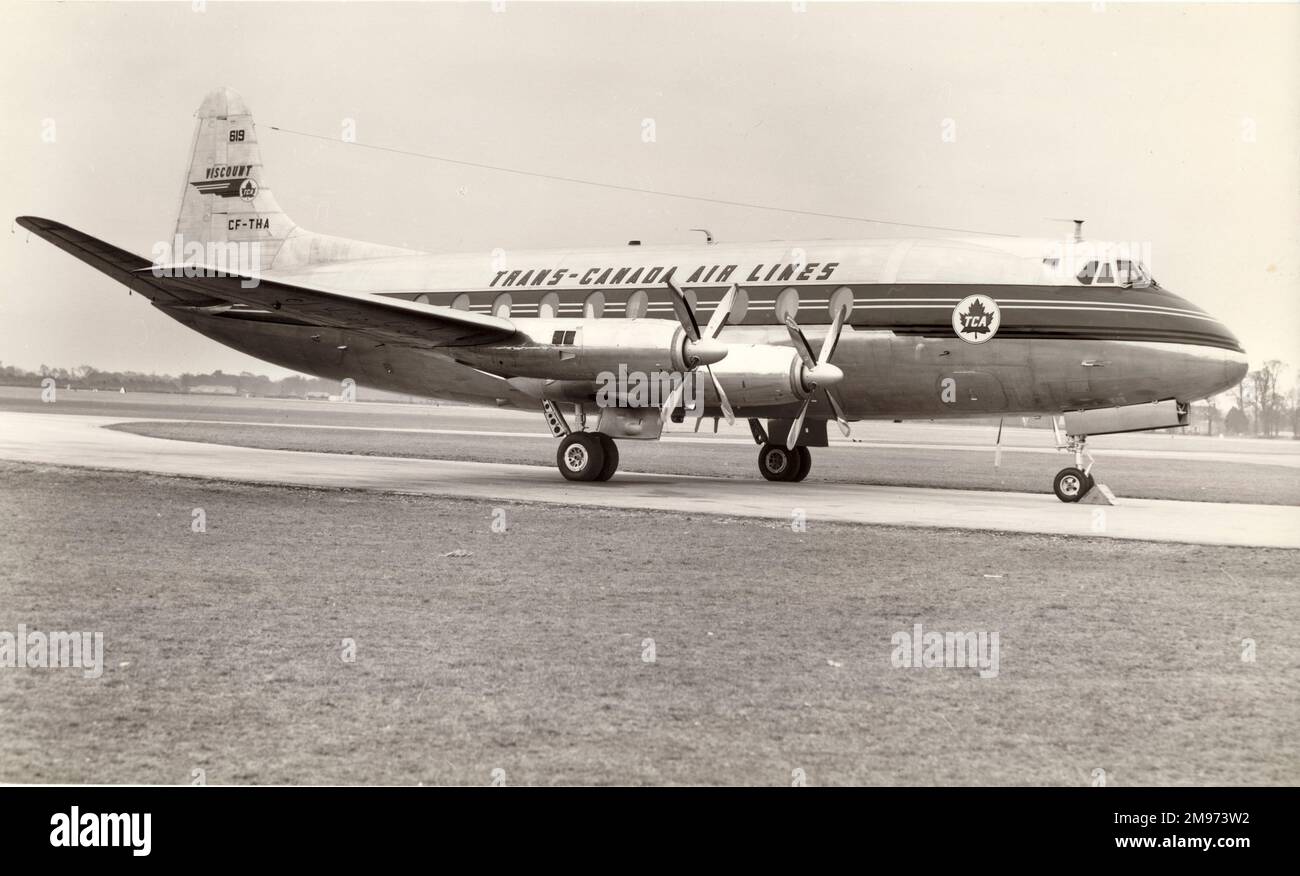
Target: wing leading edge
x,y
392,319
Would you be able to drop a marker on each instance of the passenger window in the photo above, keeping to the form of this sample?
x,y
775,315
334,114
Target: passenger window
x,y
501,307
739,307
787,304
594,306
461,302
638,305
550,306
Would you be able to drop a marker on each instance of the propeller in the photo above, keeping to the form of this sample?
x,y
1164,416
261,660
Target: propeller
x,y
818,373
701,348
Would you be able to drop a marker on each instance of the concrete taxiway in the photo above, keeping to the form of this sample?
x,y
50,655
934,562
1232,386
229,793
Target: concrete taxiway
x,y
83,441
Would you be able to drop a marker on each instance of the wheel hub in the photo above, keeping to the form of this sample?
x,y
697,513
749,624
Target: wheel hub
x,y
575,458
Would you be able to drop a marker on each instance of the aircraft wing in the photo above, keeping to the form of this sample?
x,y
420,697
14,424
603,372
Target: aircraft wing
x,y
392,319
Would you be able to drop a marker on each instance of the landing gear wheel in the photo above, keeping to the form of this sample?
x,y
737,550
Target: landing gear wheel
x,y
805,463
776,463
611,457
581,456
1071,484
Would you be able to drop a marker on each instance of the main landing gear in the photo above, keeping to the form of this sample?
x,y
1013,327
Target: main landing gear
x,y
587,456
1073,483
778,463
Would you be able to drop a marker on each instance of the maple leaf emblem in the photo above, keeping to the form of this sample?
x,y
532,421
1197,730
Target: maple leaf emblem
x,y
976,319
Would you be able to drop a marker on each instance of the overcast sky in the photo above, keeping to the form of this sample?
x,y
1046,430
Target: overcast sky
x,y
1177,125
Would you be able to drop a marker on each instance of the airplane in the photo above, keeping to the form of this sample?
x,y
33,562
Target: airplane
x,y
794,333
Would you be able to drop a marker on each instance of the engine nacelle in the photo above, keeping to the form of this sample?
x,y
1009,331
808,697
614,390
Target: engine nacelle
x,y
761,374
559,349
1127,418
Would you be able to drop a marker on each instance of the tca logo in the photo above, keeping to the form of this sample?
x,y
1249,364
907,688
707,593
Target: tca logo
x,y
976,319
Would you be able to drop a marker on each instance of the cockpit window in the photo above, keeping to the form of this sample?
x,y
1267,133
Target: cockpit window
x,y
1127,274
1131,273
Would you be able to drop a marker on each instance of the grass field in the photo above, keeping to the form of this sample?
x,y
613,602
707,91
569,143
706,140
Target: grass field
x,y
772,647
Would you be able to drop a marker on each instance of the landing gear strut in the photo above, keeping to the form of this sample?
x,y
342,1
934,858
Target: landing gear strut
x,y
587,456
1072,484
777,463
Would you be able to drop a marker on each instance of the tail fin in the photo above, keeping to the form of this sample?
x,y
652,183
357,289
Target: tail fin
x,y
227,198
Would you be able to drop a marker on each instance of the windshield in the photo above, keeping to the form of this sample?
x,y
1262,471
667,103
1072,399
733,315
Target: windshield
x,y
1122,273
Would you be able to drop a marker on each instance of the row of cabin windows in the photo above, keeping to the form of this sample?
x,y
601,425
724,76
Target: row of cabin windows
x,y
638,304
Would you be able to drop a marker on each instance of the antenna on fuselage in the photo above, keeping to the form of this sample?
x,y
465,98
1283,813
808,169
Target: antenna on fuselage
x,y
1078,227
708,235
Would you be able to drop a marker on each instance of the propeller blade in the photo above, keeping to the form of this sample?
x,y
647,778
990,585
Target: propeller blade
x,y
682,307
832,338
997,451
793,439
723,401
720,315
801,345
671,403
840,419
697,398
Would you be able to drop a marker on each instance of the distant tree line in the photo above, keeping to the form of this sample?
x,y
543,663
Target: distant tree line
x,y
243,383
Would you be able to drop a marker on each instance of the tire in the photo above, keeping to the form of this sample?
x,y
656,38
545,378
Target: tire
x,y
776,463
611,457
805,464
1070,484
581,456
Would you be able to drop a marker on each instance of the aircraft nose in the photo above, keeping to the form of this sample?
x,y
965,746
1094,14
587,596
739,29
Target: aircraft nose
x,y
1235,366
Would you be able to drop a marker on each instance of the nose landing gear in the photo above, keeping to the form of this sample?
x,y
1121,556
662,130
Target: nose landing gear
x,y
1072,484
